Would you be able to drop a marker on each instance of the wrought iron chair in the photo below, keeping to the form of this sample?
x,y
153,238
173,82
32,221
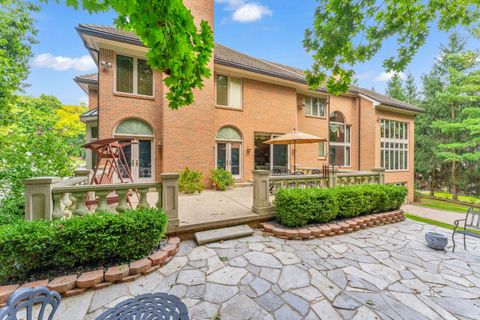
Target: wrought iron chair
x,y
24,299
148,306
471,221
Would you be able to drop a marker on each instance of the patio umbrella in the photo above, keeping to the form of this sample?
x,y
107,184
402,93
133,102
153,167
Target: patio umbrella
x,y
295,137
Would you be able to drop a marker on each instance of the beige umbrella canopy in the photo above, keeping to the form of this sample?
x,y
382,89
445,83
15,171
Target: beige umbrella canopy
x,y
295,137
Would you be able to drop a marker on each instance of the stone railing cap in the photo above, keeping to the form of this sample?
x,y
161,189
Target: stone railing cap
x,y
42,180
261,172
169,175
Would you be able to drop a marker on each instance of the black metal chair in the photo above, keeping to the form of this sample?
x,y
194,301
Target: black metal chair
x,y
24,299
471,221
150,306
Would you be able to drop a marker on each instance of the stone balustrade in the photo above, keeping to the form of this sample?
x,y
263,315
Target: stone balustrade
x,y
265,186
52,198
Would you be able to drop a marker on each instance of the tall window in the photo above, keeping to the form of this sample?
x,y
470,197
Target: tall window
x,y
340,147
321,150
229,91
134,76
393,145
315,107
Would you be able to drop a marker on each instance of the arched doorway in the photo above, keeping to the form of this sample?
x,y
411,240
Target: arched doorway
x,y
228,151
140,154
340,146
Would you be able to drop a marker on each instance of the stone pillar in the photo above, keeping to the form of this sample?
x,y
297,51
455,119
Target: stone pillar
x,y
81,172
170,198
332,177
38,197
381,173
261,193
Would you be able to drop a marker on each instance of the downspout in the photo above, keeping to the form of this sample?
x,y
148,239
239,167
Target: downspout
x,y
359,131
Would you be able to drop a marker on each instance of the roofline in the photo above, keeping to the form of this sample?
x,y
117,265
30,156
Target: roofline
x,y
115,37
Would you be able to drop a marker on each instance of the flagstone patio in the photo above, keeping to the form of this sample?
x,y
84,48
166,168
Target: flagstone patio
x,y
379,273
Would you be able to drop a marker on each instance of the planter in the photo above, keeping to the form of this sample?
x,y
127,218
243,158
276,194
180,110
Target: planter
x,y
436,241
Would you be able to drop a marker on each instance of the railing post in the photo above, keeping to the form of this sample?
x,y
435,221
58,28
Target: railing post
x,y
332,177
381,174
170,198
261,194
38,197
81,172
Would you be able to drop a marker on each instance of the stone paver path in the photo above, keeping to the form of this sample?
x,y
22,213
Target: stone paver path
x,y
434,214
379,273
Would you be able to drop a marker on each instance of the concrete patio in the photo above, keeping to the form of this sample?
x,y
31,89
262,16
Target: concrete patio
x,y
383,272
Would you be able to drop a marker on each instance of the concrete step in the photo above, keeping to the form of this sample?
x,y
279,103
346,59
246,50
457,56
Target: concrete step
x,y
243,184
208,236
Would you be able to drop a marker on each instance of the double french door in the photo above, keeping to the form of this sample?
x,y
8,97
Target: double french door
x,y
140,159
229,157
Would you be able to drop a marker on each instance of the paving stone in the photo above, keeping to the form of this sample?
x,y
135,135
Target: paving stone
x,y
241,307
179,290
191,277
75,308
186,247
343,301
104,296
270,274
322,283
214,263
260,286
270,301
309,293
296,302
74,292
203,310
89,279
381,271
262,259
201,253
287,258
174,265
62,284
338,277
238,262
196,292
363,313
204,237
412,302
325,310
117,273
379,283
145,284
286,313
247,279
227,275
292,277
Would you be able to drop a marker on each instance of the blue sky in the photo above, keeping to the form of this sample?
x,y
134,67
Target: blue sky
x,y
268,29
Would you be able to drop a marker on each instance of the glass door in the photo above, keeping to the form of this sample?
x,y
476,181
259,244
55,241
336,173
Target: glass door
x,y
144,157
229,157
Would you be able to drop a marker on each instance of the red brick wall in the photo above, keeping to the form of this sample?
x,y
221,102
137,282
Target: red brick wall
x,y
92,99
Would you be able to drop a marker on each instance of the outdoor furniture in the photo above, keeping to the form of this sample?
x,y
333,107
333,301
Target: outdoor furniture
x,y
471,221
436,240
23,300
148,306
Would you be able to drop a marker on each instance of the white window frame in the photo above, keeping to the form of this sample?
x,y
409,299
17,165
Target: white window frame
x,y
310,107
135,77
395,146
346,144
229,90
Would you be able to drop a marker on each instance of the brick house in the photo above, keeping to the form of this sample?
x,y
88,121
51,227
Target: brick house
x,y
246,102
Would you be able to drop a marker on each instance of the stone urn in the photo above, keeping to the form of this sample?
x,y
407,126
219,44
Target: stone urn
x,y
436,241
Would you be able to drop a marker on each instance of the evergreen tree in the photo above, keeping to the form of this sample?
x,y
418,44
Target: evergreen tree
x,y
395,88
411,91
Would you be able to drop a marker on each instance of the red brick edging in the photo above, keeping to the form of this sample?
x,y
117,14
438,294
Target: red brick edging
x,y
72,285
334,227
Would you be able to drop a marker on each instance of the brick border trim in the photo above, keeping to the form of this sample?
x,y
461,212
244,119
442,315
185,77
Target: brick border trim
x,y
335,227
72,285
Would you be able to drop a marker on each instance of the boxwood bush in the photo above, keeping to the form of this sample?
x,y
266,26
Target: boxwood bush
x,y
39,246
190,181
298,207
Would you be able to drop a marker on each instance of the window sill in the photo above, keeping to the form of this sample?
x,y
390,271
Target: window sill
x,y
134,96
228,108
316,117
397,171
321,158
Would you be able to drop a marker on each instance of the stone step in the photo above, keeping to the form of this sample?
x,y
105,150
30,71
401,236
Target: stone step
x,y
242,184
203,237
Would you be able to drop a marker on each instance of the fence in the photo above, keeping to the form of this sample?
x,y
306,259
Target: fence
x,y
51,197
265,186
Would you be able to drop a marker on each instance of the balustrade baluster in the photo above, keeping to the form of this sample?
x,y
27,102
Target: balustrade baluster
x,y
79,199
122,200
143,203
57,206
102,201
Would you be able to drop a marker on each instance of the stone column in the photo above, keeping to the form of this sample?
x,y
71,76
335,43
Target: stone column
x,y
381,173
261,193
332,177
170,198
38,197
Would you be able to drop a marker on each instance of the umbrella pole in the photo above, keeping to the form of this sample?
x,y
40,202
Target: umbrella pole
x,y
294,156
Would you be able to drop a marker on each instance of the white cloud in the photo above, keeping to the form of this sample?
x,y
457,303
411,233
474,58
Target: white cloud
x,y
385,76
244,11
83,100
60,63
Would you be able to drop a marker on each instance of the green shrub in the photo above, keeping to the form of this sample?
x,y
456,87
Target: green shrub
x,y
222,179
298,207
36,246
190,181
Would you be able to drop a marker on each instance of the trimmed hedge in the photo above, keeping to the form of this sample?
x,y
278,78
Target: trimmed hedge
x,y
38,246
190,181
298,207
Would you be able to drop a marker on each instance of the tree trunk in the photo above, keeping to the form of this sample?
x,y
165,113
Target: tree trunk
x,y
432,183
454,182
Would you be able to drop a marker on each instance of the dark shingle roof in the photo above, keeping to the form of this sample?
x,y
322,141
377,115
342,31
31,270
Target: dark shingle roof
x,y
229,57
90,78
90,113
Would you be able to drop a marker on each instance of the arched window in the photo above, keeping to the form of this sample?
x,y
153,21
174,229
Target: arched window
x,y
340,147
229,151
134,127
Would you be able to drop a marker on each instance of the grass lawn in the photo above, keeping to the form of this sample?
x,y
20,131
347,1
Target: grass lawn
x,y
442,205
448,196
433,222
